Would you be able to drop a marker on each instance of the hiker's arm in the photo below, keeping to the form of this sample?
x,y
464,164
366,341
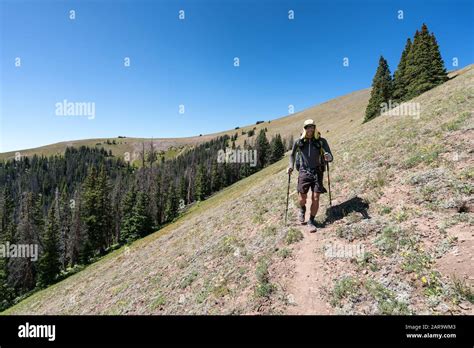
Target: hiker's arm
x,y
327,150
292,156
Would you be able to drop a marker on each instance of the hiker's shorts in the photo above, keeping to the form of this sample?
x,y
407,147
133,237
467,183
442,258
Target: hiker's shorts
x,y
307,179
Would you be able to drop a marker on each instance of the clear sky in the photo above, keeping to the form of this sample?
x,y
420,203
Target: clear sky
x,y
190,62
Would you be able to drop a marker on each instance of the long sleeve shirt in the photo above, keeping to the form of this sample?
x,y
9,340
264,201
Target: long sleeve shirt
x,y
311,157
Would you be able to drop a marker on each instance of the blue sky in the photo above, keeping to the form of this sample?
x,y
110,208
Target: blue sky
x,y
190,62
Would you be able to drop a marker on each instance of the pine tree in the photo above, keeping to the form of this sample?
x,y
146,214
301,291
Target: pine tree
x,y
49,264
7,232
96,211
216,183
381,90
438,70
172,204
183,189
291,140
23,269
141,219
160,199
63,212
425,67
277,149
152,154
399,77
78,236
127,230
263,149
200,183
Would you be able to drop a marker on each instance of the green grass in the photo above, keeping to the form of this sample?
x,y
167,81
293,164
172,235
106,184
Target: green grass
x,y
339,130
367,260
229,193
419,262
270,231
158,302
462,290
457,123
188,280
346,287
284,253
427,154
264,288
387,303
391,239
293,235
385,210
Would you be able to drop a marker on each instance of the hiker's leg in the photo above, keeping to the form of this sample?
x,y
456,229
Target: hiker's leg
x,y
314,203
302,199
302,195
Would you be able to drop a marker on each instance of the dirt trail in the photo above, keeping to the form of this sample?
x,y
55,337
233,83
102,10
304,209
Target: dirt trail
x,y
311,277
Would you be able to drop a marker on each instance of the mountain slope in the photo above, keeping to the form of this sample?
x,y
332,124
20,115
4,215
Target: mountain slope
x,y
232,253
346,107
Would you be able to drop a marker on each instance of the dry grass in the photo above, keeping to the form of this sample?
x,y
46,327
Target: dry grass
x,y
217,260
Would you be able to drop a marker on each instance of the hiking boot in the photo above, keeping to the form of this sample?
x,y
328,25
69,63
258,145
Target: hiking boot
x,y
311,225
301,215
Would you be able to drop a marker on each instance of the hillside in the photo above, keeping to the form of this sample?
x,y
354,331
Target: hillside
x,y
232,254
346,107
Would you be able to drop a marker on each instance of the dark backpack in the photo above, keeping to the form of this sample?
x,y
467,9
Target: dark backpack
x,y
298,155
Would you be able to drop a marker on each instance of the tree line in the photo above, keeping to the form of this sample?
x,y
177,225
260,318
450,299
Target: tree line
x,y
420,69
78,206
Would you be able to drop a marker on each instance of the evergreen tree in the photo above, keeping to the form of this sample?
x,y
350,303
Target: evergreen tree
x,y
425,67
277,149
127,231
23,269
63,212
49,264
7,231
96,212
200,183
183,189
141,220
381,90
438,70
77,237
215,178
291,140
172,204
399,77
159,199
263,149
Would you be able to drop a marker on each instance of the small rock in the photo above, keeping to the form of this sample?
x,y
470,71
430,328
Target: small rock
x,y
442,307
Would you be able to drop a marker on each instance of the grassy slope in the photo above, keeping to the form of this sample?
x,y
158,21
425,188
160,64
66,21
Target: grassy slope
x,y
346,107
229,254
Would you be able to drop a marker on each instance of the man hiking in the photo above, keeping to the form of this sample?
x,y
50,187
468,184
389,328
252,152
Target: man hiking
x,y
313,152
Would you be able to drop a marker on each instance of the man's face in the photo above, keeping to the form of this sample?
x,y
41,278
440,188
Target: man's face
x,y
309,131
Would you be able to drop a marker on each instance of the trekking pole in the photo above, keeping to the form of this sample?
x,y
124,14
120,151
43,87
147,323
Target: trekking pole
x,y
329,185
287,196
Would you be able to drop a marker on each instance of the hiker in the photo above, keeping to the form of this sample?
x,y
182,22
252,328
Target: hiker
x,y
313,152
